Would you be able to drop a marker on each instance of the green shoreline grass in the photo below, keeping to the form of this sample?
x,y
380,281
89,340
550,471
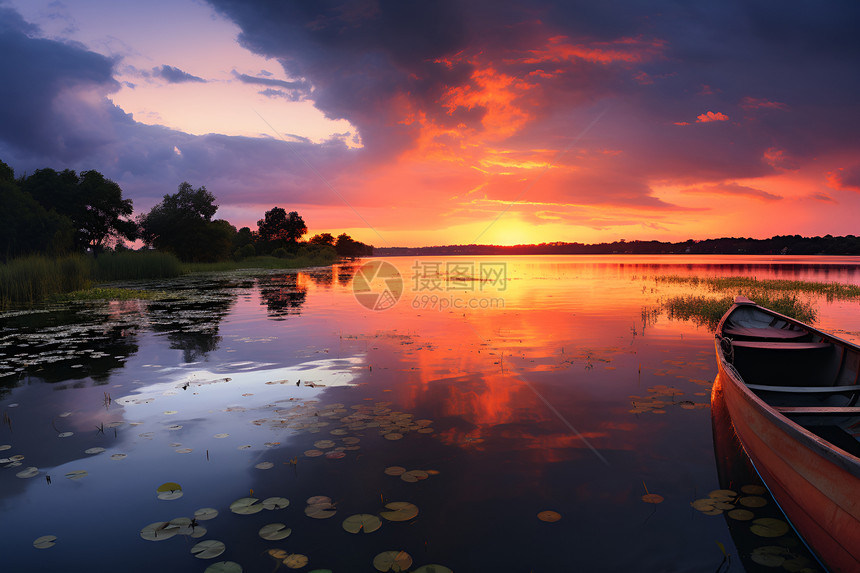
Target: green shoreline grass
x,y
707,311
833,291
28,281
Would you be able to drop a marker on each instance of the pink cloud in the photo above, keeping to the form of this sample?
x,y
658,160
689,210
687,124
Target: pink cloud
x,y
750,103
711,116
845,178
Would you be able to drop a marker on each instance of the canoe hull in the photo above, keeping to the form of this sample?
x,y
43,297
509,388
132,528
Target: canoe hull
x,y
816,484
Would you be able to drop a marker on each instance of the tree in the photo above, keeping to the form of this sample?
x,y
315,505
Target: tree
x,y
93,204
346,246
181,224
322,239
26,227
277,224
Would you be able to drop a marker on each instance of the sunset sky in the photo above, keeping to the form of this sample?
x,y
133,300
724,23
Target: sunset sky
x,y
420,123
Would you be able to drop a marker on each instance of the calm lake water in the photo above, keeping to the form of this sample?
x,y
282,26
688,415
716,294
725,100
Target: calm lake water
x,y
514,385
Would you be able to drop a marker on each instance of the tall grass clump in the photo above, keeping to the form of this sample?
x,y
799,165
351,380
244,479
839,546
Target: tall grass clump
x,y
130,265
830,290
707,311
28,280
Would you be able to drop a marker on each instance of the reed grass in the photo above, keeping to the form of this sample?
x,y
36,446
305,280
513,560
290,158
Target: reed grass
x,y
133,265
109,293
742,285
264,262
28,280
707,311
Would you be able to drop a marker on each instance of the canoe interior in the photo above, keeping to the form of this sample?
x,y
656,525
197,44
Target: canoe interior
x,y
812,377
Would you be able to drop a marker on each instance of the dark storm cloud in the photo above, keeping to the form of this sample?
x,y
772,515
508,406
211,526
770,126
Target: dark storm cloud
x,y
175,75
246,79
783,78
37,114
56,113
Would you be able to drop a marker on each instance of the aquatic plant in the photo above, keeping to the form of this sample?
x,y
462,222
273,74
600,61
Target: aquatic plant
x,y
131,265
707,310
31,279
745,285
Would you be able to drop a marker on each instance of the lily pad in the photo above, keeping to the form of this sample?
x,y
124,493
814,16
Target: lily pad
x,y
769,555
296,561
752,501
322,510
754,489
652,498
432,569
400,511
318,499
264,466
246,506
414,475
93,451
65,434
323,444
159,531
769,527
362,522
118,456
32,471
45,541
169,490
77,474
549,516
741,514
274,531
208,549
395,470
392,561
205,513
275,503
224,567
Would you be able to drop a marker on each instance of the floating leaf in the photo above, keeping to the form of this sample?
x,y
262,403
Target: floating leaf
x,y
754,489
278,554
400,511
741,514
275,503
393,436
224,567
414,475
220,436
323,444
652,498
723,494
394,470
205,513
769,555
92,451
118,456
322,510
318,499
392,561
314,453
246,506
45,541
159,531
549,516
169,490
31,471
77,474
432,569
769,527
184,451
208,549
752,501
275,531
362,521
264,466
296,561
65,434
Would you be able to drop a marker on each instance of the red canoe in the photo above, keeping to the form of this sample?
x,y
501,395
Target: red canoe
x,y
792,394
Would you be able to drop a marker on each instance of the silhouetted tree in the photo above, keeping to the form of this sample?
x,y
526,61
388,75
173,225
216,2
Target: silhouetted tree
x,y
322,239
278,225
182,224
346,246
93,204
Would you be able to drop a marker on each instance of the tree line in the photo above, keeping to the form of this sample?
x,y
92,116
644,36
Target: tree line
x,y
58,212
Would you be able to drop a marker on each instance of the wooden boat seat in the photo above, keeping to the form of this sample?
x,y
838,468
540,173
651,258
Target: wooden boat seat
x,y
768,332
779,345
805,389
819,410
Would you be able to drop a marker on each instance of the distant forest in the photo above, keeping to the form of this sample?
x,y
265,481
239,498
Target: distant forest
x,y
779,245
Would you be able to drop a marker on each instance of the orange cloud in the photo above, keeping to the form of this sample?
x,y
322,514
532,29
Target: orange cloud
x,y
733,189
627,50
711,116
